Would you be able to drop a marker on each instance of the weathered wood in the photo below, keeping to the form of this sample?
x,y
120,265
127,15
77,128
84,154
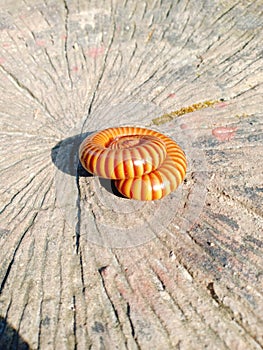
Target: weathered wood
x,y
82,268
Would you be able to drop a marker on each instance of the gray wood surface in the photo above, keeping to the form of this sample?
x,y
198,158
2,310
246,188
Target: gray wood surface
x,y
82,268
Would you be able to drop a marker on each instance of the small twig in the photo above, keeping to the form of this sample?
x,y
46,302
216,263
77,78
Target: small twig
x,y
184,110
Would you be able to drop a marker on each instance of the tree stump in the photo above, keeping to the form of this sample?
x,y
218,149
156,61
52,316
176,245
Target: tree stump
x,y
83,268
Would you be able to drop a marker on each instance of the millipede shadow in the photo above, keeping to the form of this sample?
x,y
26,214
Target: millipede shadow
x,y
82,172
65,155
109,186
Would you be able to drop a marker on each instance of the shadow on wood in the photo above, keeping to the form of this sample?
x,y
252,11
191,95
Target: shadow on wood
x,y
66,158
65,155
10,338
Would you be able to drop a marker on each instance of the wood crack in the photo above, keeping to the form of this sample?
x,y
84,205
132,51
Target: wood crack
x,y
101,75
10,265
29,93
74,309
225,13
128,313
66,40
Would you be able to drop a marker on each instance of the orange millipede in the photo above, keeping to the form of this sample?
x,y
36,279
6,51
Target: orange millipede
x,y
145,164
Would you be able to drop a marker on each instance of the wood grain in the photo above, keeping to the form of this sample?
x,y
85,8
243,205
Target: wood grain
x,y
191,276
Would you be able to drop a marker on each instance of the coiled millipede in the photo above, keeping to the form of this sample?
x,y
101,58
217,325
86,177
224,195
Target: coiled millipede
x,y
145,164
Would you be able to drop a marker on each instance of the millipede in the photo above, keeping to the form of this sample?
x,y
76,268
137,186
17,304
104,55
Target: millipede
x,y
145,164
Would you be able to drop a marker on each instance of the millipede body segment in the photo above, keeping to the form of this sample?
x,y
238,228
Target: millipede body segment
x,y
145,164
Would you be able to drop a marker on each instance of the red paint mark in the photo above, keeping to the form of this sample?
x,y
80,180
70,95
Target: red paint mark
x,y
172,95
221,105
40,42
184,126
6,44
95,51
75,69
223,133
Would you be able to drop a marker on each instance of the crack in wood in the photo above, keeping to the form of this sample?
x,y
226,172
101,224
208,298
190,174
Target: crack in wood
x,y
128,313
66,40
225,13
22,87
101,75
82,272
78,224
74,309
108,294
132,326
11,263
213,294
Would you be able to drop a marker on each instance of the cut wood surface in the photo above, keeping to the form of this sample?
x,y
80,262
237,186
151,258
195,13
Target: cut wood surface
x,y
80,266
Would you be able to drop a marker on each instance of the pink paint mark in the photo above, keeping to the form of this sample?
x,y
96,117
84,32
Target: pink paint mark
x,y
184,126
95,51
40,42
6,44
22,16
172,95
223,133
221,105
63,37
2,60
75,69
